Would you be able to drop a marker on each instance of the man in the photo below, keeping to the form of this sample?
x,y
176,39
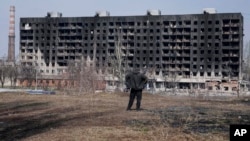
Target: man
x,y
135,81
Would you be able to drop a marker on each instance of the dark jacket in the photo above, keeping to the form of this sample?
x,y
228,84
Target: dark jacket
x,y
135,80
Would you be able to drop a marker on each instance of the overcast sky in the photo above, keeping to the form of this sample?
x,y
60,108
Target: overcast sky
x,y
72,8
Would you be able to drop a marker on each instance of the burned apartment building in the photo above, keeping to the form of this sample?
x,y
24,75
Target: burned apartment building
x,y
194,51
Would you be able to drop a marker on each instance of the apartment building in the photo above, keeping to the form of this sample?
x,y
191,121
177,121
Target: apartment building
x,y
192,51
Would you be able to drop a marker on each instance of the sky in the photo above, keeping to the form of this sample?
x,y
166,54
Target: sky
x,y
83,8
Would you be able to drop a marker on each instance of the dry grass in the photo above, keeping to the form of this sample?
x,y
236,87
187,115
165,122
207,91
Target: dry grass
x,y
102,117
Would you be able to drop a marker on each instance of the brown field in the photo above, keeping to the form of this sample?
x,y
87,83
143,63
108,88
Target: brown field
x,y
103,117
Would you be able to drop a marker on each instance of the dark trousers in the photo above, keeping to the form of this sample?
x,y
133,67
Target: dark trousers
x,y
135,93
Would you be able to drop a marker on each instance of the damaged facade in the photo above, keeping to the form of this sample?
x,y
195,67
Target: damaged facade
x,y
196,51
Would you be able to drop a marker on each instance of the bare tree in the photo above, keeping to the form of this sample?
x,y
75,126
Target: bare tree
x,y
27,73
82,75
246,65
172,80
13,73
118,61
3,73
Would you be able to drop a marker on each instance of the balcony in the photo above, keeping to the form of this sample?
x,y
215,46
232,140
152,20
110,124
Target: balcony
x,y
185,54
177,62
235,32
27,41
60,53
235,24
226,25
185,69
226,32
185,47
186,33
165,40
236,39
234,62
186,40
186,62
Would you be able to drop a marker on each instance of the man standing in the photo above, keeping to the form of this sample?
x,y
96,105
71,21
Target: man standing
x,y
135,81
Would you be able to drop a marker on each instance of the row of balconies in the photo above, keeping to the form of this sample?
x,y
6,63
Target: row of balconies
x,y
231,40
176,40
131,38
70,34
70,40
176,54
69,27
176,62
177,69
231,32
175,46
230,55
27,41
231,25
176,33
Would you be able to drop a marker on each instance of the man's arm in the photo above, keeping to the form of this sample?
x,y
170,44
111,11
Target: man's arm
x,y
127,79
145,78
143,82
